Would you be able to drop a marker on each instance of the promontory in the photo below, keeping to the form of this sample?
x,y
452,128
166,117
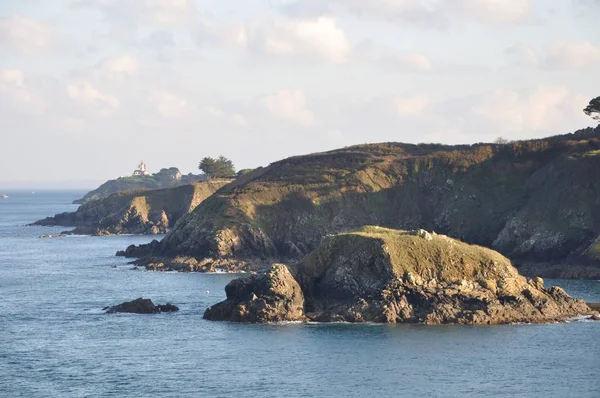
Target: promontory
x,y
381,275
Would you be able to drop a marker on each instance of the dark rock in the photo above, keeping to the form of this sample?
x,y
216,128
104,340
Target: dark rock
x,y
274,296
141,306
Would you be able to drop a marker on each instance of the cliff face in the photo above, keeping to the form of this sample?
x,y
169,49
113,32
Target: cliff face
x,y
138,212
161,180
381,275
535,201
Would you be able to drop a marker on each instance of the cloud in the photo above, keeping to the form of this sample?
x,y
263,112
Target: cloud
x,y
290,105
495,11
405,61
565,55
124,65
412,12
431,14
560,55
27,36
289,38
169,105
523,55
538,109
19,95
91,98
411,106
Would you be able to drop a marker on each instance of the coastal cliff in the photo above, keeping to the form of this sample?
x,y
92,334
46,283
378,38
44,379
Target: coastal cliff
x,y
381,275
137,212
165,178
537,202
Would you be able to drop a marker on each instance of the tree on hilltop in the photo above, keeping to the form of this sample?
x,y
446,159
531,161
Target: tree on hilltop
x,y
217,168
593,109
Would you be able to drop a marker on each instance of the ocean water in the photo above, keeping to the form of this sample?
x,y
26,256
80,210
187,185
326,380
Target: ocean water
x,y
56,342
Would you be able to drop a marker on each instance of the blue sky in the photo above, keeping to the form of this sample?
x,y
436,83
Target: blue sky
x,y
90,87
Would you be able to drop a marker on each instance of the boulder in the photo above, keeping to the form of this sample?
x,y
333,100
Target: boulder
x,y
273,296
141,306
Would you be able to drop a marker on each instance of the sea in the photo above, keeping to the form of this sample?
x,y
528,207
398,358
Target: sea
x,y
55,340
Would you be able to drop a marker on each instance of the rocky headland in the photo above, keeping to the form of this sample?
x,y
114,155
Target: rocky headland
x,y
388,276
165,178
137,212
537,202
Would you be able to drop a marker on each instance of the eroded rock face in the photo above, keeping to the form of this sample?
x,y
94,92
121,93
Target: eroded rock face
x,y
381,275
535,201
148,212
273,296
141,306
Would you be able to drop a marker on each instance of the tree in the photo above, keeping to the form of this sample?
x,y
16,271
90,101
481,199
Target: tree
x,y
500,140
593,109
243,172
220,167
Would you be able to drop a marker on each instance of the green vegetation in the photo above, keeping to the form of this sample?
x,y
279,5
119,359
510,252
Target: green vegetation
x,y
593,109
217,168
243,172
436,256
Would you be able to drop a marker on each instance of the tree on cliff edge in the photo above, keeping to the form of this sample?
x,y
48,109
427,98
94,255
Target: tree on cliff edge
x,y
593,109
217,168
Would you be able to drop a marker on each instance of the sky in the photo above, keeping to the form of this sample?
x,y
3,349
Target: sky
x,y
88,88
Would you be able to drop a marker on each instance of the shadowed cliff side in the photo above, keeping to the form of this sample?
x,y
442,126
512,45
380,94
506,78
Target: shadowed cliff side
x,y
138,212
536,201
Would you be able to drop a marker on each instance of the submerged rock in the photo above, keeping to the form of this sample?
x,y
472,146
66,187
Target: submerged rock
x,y
382,275
141,306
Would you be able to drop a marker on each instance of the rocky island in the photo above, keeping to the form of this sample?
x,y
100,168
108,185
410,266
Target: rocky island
x,y
381,275
534,201
137,212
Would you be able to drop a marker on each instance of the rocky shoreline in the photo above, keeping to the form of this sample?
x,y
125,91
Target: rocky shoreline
x,y
387,276
150,212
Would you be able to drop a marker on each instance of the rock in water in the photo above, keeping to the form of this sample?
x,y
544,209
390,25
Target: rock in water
x,y
141,306
383,275
274,296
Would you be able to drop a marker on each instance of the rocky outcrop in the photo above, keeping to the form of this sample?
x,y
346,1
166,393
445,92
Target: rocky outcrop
x,y
273,296
141,306
535,201
389,276
140,212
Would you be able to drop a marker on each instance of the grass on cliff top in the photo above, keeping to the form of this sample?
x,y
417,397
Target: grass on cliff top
x,y
441,257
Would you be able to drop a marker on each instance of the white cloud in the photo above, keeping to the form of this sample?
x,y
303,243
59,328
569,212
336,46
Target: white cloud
x,y
162,13
565,55
560,55
432,14
27,36
16,95
12,77
170,105
90,97
410,106
523,55
302,38
495,11
404,61
538,109
290,105
124,65
413,12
